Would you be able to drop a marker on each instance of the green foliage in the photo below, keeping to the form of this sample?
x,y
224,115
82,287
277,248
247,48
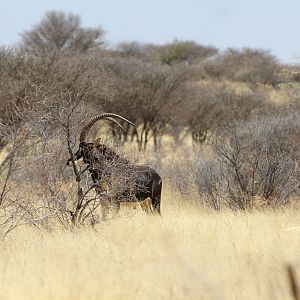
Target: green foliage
x,y
176,52
185,51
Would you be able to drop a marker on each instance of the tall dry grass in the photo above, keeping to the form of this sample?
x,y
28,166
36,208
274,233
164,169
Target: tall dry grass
x,y
189,253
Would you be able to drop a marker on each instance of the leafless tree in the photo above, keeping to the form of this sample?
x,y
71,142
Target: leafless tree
x,y
213,106
60,31
246,65
147,94
254,160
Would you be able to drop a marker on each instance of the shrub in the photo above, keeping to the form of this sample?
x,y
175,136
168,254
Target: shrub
x,y
185,52
257,159
247,65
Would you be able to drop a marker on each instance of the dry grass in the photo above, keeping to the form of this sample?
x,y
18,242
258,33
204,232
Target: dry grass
x,y
190,253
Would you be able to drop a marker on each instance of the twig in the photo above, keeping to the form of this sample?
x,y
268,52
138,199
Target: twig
x,y
293,283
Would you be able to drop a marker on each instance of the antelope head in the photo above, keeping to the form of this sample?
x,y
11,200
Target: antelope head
x,y
85,152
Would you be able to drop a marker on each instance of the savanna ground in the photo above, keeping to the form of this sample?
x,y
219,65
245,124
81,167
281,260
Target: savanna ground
x,y
189,253
222,129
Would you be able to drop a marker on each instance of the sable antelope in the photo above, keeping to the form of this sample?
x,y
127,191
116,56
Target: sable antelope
x,y
141,182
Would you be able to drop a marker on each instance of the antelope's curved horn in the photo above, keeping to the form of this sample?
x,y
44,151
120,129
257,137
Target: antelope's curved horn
x,y
117,123
108,116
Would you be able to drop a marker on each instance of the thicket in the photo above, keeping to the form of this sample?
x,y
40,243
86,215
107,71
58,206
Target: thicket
x,y
256,163
61,73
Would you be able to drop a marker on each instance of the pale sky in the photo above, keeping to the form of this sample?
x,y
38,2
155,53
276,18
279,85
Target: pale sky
x,y
269,24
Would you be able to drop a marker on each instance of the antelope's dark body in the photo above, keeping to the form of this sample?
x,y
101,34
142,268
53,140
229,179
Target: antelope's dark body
x,y
142,181
150,184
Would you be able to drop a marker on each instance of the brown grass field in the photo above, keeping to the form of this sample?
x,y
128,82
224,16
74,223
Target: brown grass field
x,y
189,253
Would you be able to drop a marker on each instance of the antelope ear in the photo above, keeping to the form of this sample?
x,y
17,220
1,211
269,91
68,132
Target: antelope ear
x,y
96,142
